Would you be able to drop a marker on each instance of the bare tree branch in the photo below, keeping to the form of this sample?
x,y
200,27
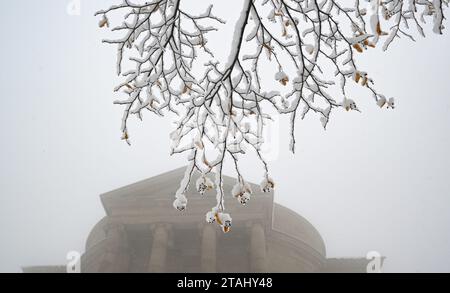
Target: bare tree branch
x,y
222,112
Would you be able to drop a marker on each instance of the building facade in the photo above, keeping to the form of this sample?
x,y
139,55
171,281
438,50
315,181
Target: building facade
x,y
142,232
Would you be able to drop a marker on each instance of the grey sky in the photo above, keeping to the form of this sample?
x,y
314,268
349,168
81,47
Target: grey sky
x,y
372,181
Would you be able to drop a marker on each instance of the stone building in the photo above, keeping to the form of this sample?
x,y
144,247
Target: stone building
x,y
142,232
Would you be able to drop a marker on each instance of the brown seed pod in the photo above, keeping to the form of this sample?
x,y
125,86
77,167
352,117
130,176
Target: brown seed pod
x,y
103,22
358,48
216,216
379,30
284,81
357,77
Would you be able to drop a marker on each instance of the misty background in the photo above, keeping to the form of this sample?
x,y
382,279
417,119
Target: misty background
x,y
376,180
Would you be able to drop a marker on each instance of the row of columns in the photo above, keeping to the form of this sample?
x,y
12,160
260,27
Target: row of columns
x,y
208,258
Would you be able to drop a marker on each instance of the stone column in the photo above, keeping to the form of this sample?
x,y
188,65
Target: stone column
x,y
208,249
157,263
258,258
116,256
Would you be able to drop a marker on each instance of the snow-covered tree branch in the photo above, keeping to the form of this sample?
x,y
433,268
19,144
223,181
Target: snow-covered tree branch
x,y
221,107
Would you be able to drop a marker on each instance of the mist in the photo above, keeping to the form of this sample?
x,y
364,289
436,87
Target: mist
x,y
373,181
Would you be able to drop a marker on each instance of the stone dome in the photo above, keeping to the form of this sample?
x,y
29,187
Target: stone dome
x,y
289,222
290,242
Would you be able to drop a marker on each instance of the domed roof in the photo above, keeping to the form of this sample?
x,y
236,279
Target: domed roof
x,y
289,222
137,196
97,234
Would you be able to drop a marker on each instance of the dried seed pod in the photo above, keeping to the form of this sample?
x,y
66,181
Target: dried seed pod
x,y
357,76
358,48
103,22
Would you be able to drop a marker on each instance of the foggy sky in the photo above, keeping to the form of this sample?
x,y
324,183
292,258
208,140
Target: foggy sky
x,y
376,180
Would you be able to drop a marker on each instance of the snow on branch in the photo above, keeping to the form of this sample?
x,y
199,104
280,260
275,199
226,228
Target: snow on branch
x,y
222,111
